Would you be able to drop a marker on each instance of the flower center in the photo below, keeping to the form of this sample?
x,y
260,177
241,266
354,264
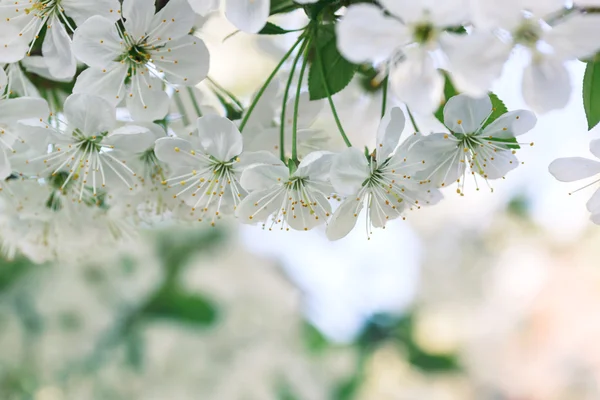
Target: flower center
x,y
138,54
42,8
424,33
528,34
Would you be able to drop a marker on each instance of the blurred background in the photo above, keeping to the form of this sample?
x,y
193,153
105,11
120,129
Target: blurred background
x,y
490,296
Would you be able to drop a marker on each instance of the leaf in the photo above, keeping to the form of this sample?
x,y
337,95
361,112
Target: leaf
x,y
498,108
591,93
272,29
174,304
449,91
283,6
329,71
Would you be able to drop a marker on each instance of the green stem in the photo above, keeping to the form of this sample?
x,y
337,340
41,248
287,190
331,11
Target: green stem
x,y
412,120
385,94
181,109
268,81
297,104
328,92
286,94
194,102
226,92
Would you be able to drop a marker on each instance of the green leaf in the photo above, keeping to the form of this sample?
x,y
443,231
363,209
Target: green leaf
x,y
174,304
498,108
336,70
283,6
314,339
272,29
449,91
591,93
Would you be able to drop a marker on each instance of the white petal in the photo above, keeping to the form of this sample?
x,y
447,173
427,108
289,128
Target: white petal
x,y
5,167
546,85
257,206
365,34
20,84
260,177
38,66
475,60
417,82
57,52
593,204
131,138
389,132
511,124
175,152
349,170
576,36
12,47
595,219
595,147
97,42
36,134
442,159
81,10
172,22
249,158
138,15
107,83
220,137
344,218
146,101
464,114
574,168
315,165
90,114
13,110
184,61
204,7
249,16
495,165
441,13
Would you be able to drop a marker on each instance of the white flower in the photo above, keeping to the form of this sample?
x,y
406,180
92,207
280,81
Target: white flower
x,y
485,150
11,112
382,182
572,169
297,200
132,64
89,150
207,166
248,16
24,20
407,36
546,82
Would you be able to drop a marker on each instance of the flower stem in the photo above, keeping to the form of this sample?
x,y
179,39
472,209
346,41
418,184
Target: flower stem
x,y
297,103
225,92
267,82
385,95
412,120
328,92
284,103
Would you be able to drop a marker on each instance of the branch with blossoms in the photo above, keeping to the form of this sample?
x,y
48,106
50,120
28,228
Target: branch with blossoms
x,y
104,129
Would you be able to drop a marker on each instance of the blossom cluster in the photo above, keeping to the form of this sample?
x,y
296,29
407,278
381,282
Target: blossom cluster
x,y
103,129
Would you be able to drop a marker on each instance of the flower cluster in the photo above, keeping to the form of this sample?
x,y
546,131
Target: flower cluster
x,y
105,128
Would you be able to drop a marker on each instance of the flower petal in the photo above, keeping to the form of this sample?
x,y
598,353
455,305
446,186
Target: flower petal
x,y
97,42
573,168
131,138
595,147
249,158
495,165
349,170
249,16
511,124
220,137
260,177
464,114
475,60
204,7
315,165
172,22
145,100
344,218
418,82
593,204
81,10
388,134
138,16
106,83
175,152
57,52
90,114
576,36
257,206
546,85
366,34
12,47
13,110
184,61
